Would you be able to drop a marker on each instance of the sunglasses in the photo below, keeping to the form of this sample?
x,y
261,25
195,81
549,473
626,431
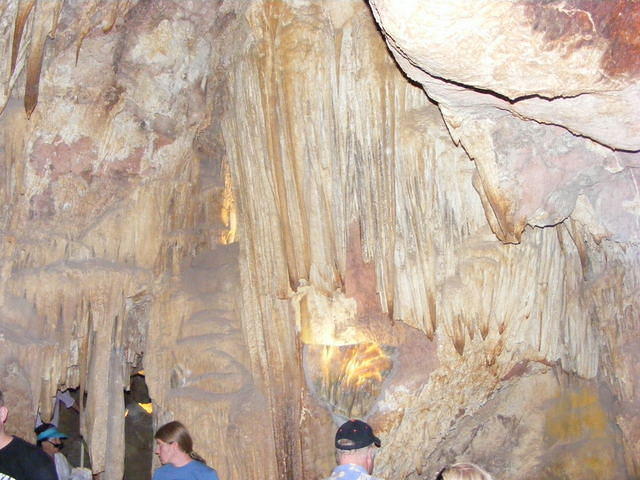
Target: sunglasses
x,y
57,445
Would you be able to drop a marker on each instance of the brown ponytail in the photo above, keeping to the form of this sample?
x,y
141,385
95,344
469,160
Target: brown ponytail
x,y
197,457
178,433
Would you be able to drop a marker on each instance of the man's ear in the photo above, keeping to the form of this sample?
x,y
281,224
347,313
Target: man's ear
x,y
370,456
4,413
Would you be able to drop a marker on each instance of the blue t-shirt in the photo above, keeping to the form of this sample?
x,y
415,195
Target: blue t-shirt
x,y
350,472
193,470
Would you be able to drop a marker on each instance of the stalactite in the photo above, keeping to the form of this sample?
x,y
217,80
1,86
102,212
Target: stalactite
x,y
36,21
224,186
24,9
91,308
44,23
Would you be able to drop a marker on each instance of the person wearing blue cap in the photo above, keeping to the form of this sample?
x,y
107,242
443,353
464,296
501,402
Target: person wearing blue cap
x,y
49,438
20,460
356,448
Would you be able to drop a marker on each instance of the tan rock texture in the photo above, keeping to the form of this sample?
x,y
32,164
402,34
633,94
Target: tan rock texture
x,y
217,191
527,78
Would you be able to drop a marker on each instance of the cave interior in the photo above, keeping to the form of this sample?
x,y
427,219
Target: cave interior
x,y
264,217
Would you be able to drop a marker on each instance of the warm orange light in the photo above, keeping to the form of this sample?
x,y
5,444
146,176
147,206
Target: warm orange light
x,y
357,365
228,214
348,377
367,363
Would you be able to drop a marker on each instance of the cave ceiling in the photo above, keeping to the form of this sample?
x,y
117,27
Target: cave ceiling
x,y
293,212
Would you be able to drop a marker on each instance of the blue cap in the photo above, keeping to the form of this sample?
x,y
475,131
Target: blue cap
x,y
51,432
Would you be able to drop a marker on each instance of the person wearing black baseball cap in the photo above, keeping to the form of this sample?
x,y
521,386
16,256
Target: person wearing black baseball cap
x,y
356,447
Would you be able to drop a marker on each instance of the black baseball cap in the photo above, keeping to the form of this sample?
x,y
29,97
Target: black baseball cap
x,y
355,434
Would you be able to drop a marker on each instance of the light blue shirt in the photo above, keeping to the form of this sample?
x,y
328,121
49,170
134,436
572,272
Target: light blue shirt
x,y
193,470
350,472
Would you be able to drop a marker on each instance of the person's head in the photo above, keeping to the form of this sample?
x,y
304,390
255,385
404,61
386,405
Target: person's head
x,y
49,438
463,471
356,444
174,444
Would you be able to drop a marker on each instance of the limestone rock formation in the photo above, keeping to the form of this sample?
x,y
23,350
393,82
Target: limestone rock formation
x,y
288,212
543,97
521,69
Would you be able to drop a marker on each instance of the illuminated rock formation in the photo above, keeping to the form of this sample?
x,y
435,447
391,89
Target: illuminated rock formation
x,y
248,198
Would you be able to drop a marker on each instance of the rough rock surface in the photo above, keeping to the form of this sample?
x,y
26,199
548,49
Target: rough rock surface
x,y
546,93
543,96
209,190
550,422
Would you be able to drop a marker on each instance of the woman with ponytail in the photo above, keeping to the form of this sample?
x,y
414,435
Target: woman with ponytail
x,y
174,448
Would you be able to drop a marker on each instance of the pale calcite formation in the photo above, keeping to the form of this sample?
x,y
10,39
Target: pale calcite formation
x,y
210,189
567,64
542,96
79,267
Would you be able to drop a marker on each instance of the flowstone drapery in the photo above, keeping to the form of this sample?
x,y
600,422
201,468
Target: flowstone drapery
x,y
291,212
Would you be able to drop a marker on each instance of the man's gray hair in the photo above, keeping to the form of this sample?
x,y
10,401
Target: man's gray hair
x,y
1,399
355,452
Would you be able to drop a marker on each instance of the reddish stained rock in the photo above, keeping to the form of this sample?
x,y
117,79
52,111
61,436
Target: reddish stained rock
x,y
59,158
360,284
518,370
80,158
112,97
162,141
360,277
42,205
125,167
584,22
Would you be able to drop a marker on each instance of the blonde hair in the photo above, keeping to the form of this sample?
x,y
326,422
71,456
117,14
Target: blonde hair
x,y
463,471
176,432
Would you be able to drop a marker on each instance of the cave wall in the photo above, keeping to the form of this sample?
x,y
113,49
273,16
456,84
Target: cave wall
x,y
214,190
103,197
541,95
